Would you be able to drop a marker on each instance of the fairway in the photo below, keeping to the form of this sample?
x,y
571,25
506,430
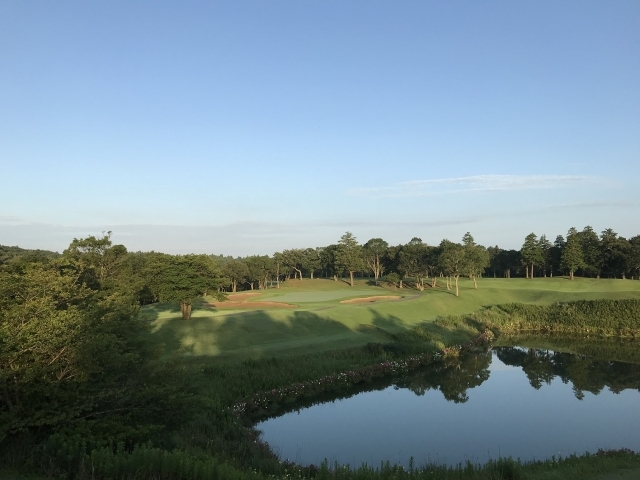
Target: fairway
x,y
321,320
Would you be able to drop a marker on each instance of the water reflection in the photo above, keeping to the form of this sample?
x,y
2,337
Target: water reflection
x,y
452,378
585,374
474,408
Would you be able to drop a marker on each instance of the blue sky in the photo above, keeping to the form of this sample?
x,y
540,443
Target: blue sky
x,y
248,127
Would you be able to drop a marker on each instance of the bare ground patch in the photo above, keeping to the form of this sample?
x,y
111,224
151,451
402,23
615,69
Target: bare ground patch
x,y
238,297
250,305
377,298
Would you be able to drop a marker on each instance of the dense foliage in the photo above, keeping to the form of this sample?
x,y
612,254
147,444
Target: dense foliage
x,y
75,359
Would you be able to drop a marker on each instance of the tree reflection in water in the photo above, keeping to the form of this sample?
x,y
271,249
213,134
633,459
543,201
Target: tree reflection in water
x,y
452,378
585,373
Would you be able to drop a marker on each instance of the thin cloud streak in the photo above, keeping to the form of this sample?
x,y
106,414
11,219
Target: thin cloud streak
x,y
596,205
476,183
10,219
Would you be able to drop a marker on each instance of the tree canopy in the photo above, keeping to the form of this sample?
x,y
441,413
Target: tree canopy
x,y
183,278
348,255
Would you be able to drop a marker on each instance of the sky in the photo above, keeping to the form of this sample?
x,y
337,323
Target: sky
x,y
246,127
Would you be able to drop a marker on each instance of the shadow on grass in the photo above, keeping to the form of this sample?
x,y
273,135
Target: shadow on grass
x,y
261,333
152,312
252,332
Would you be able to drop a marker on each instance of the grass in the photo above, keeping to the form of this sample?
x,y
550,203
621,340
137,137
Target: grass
x,y
320,322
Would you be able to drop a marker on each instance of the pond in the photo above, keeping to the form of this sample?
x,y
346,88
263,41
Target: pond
x,y
522,402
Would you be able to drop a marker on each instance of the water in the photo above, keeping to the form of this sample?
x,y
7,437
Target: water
x,y
511,401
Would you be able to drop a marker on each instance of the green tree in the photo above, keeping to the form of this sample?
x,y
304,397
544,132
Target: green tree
x,y
349,255
97,254
555,254
494,253
295,259
374,251
395,263
236,271
311,260
572,258
327,257
278,266
183,278
260,268
634,255
452,261
431,264
504,261
615,254
75,357
545,248
476,258
413,261
392,279
17,255
591,252
108,268
531,253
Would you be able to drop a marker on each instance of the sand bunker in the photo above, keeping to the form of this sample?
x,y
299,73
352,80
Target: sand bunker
x,y
372,299
238,297
250,305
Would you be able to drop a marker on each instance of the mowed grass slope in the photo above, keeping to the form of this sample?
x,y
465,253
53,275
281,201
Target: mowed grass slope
x,y
320,322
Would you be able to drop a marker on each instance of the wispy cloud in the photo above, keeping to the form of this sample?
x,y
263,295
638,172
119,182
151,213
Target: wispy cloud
x,y
589,205
389,224
476,183
10,219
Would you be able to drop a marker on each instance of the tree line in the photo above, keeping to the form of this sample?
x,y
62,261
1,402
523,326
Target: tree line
x,y
582,253
157,277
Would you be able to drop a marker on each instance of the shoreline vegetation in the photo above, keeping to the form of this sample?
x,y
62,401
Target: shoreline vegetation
x,y
101,380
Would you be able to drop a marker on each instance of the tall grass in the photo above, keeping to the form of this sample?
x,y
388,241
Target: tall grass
x,y
146,462
600,317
